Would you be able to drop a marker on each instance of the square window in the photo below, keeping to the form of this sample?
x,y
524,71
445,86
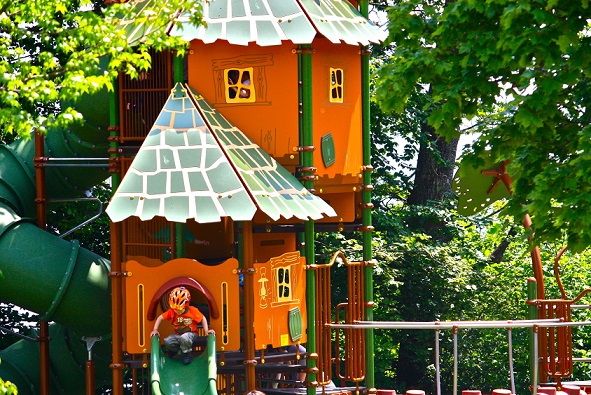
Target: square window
x,y
239,85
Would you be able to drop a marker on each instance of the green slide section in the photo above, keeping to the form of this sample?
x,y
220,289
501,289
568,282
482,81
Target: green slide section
x,y
172,377
41,272
20,363
55,278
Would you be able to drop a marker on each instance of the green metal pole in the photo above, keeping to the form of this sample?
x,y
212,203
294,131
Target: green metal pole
x,y
366,208
300,237
178,68
307,160
179,242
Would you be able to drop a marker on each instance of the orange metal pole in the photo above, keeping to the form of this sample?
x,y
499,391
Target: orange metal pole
x,y
116,301
42,223
90,381
536,263
249,347
44,357
116,267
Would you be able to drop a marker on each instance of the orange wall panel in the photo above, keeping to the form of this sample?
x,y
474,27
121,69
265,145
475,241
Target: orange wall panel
x,y
341,120
268,245
272,120
149,279
278,293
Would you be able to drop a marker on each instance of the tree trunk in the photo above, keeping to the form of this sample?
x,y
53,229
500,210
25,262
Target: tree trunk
x,y
435,169
433,182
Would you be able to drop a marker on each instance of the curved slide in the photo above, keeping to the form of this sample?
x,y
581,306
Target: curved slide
x,y
60,280
172,377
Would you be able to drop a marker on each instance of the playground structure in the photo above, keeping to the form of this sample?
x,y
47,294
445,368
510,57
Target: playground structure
x,y
225,164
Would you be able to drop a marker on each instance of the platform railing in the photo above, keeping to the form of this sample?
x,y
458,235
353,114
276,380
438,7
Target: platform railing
x,y
455,326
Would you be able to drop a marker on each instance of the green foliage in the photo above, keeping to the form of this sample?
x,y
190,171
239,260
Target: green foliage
x,y
521,70
16,320
93,235
437,280
50,53
418,278
395,142
446,275
7,388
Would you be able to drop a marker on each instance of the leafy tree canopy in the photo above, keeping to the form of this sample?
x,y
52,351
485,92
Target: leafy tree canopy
x,y
50,53
519,69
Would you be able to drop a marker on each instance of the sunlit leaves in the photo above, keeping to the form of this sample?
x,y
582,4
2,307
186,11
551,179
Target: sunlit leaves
x,y
525,65
7,388
50,52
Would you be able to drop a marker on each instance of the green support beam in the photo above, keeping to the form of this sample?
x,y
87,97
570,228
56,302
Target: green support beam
x,y
307,160
366,211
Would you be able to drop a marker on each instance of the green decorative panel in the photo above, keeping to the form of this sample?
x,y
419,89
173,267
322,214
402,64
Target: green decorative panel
x,y
328,152
339,21
294,318
180,171
262,22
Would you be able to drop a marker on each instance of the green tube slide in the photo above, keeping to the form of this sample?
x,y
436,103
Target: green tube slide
x,y
55,278
171,377
61,281
20,363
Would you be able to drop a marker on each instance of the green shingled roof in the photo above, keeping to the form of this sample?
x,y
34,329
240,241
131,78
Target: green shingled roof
x,y
275,190
269,22
196,164
339,21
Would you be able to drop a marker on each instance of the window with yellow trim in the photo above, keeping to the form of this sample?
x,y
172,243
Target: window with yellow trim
x,y
283,284
336,85
239,86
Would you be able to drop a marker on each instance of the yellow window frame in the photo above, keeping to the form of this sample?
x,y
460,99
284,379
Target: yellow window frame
x,y
336,87
243,86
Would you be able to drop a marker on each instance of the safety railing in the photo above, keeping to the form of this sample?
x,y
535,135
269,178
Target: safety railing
x,y
141,99
455,326
348,361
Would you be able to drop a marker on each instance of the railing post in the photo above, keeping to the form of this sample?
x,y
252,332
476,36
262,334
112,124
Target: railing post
x,y
437,367
455,385
536,331
510,352
532,314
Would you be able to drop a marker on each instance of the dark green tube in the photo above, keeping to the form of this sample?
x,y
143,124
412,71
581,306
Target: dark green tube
x,y
53,277
20,363
45,274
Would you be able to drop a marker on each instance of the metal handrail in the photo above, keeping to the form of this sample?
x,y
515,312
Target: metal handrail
x,y
550,322
19,335
85,222
437,326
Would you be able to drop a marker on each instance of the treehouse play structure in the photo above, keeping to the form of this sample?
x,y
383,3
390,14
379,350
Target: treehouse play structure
x,y
224,164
